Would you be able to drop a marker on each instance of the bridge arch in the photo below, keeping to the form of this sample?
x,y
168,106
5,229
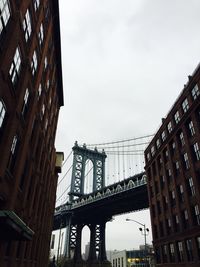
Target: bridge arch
x,y
88,172
85,247
88,177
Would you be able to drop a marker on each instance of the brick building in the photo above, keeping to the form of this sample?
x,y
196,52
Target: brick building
x,y
173,171
31,95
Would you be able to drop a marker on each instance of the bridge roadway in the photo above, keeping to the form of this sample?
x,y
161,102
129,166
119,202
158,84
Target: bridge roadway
x,y
126,196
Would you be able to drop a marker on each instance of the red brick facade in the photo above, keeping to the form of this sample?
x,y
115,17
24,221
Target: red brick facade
x,y
173,171
31,94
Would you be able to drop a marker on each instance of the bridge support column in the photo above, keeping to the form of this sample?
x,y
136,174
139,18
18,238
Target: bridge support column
x,y
67,238
102,246
77,252
92,252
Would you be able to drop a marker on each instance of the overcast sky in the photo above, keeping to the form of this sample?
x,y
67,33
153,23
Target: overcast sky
x,y
124,64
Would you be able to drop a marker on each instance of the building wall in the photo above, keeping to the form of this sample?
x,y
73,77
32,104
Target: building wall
x,y
57,243
173,169
119,259
30,97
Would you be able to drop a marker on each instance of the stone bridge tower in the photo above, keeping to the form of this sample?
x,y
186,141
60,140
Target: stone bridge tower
x,y
97,251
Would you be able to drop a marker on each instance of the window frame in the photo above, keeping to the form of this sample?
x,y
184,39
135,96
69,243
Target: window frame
x,y
177,117
27,25
4,15
2,113
15,66
34,63
25,102
185,105
195,92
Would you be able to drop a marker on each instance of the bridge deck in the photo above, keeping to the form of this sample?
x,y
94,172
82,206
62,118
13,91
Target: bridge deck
x,y
123,197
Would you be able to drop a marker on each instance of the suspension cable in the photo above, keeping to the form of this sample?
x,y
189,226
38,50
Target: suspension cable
x,y
67,158
62,193
65,175
121,141
140,144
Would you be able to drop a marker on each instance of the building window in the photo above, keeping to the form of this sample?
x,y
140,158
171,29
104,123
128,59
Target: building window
x,y
164,252
198,245
13,152
163,136
172,147
25,103
27,25
34,63
148,157
177,117
191,128
169,127
165,202
162,181
41,34
153,151
36,4
158,143
171,252
196,151
169,175
166,155
189,250
186,161
4,14
15,66
48,84
169,225
159,162
42,111
191,186
185,218
39,90
50,101
46,124
197,214
181,193
177,167
182,141
173,199
45,63
195,92
52,241
180,251
176,221
2,113
185,105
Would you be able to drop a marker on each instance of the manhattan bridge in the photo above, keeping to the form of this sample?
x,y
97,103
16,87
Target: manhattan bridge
x,y
101,181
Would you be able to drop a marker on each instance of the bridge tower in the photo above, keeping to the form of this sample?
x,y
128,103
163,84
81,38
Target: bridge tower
x,y
81,155
97,252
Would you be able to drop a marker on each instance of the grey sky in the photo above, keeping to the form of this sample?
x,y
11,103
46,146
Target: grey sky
x,y
124,64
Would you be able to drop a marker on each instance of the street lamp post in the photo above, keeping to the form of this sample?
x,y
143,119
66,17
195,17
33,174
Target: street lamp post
x,y
144,231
